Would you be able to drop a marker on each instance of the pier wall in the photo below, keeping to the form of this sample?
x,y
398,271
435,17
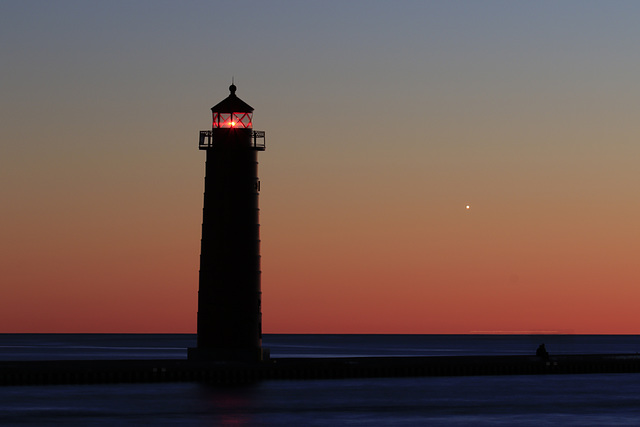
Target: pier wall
x,y
142,371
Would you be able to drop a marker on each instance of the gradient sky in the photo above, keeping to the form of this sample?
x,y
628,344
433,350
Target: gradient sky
x,y
383,121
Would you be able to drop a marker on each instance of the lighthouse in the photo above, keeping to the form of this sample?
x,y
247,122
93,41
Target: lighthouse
x,y
229,295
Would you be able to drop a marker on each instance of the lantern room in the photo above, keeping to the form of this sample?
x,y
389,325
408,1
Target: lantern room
x,y
232,125
231,120
232,112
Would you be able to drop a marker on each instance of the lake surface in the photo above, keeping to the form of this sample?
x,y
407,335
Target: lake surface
x,y
568,400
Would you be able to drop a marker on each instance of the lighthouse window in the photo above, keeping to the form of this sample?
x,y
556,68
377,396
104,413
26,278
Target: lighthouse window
x,y
232,120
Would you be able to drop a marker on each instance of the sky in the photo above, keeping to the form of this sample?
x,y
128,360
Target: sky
x,y
384,120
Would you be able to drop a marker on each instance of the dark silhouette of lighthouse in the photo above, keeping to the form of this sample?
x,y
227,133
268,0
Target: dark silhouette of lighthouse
x,y
229,295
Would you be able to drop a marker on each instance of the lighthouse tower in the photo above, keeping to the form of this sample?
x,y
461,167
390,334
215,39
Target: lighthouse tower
x,y
229,296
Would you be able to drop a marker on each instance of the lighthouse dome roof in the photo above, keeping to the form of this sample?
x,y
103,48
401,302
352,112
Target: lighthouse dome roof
x,y
232,104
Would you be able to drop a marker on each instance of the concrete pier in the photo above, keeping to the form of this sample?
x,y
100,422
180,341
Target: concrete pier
x,y
143,371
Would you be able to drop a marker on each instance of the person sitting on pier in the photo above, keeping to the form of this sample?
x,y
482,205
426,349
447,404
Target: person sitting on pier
x,y
542,352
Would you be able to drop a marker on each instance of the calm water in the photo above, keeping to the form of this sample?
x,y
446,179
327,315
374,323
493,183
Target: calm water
x,y
569,400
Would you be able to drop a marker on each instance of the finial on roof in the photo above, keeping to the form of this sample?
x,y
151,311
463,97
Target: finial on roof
x,y
232,88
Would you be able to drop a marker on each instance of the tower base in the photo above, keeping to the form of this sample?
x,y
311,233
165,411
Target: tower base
x,y
228,354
